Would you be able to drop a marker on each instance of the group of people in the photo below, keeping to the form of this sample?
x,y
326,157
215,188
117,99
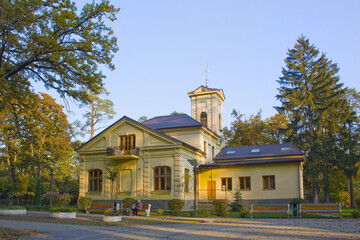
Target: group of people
x,y
135,207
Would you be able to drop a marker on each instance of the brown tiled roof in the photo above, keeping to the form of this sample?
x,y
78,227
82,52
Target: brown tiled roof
x,y
258,151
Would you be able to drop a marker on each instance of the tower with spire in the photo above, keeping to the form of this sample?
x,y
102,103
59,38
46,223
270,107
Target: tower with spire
x,y
207,106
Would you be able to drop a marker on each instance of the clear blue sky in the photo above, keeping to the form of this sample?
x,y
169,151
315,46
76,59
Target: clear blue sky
x,y
165,47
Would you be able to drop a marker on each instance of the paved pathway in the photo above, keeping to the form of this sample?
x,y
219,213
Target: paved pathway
x,y
241,229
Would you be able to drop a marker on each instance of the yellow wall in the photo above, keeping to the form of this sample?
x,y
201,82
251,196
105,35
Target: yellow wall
x,y
139,173
196,137
286,181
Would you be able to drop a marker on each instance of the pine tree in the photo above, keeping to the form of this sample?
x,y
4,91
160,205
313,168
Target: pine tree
x,y
310,93
238,205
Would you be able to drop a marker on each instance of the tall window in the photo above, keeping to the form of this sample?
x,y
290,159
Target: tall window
x,y
162,178
95,180
203,119
268,182
127,143
186,180
226,184
212,152
205,144
244,183
219,122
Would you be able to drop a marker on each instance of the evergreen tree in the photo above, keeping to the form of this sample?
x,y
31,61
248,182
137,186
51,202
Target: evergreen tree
x,y
238,205
310,93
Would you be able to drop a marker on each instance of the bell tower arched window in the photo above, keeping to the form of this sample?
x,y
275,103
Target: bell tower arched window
x,y
203,119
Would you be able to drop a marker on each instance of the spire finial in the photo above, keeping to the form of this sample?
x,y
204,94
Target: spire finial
x,y
207,71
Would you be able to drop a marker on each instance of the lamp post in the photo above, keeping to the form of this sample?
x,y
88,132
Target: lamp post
x,y
195,164
51,182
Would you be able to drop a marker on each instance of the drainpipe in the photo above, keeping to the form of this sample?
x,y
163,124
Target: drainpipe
x,y
195,190
301,195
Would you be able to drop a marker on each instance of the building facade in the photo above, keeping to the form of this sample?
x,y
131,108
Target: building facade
x,y
155,159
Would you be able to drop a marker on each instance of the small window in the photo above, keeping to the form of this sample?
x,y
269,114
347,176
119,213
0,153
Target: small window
x,y
268,182
226,184
255,150
95,180
284,148
212,152
162,178
230,152
244,183
205,147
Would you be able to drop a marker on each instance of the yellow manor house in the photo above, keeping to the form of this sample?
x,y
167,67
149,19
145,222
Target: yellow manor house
x,y
157,158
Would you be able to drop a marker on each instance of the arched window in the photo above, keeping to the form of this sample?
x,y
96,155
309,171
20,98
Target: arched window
x,y
95,180
162,178
219,122
203,119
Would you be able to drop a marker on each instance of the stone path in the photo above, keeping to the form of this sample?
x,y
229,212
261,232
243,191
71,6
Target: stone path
x,y
239,229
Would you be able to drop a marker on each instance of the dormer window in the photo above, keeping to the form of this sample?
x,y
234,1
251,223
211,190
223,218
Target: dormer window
x,y
255,150
284,148
203,119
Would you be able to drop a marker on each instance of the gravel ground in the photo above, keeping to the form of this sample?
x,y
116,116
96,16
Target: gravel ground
x,y
232,229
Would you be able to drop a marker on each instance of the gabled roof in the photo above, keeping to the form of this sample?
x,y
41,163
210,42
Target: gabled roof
x,y
144,126
202,90
171,121
258,152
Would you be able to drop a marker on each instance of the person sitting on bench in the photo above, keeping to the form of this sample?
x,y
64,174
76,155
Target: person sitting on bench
x,y
137,207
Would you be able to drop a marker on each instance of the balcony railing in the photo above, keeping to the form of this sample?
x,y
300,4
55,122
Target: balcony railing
x,y
119,151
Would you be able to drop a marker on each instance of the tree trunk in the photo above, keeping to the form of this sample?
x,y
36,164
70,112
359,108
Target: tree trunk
x,y
326,187
92,124
315,197
351,191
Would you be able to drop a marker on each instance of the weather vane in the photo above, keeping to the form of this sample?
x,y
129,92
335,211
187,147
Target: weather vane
x,y
207,71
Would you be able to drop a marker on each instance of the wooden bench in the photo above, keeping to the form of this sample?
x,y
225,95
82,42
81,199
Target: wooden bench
x,y
99,207
126,208
270,208
320,208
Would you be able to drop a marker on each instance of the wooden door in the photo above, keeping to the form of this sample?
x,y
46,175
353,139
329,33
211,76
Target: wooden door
x,y
211,189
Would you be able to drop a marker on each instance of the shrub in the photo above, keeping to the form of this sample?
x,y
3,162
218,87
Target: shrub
x,y
11,207
58,200
128,200
357,203
221,207
192,214
298,201
238,205
355,214
84,202
207,214
159,212
62,209
175,206
109,212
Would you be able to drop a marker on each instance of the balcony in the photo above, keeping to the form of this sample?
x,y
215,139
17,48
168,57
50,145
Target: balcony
x,y
121,153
